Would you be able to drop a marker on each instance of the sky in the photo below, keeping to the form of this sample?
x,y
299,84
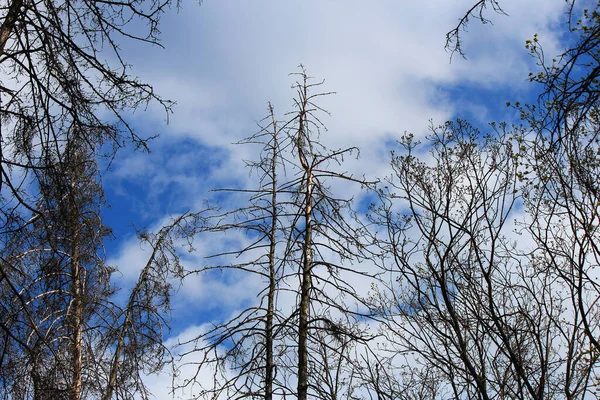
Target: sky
x,y
223,61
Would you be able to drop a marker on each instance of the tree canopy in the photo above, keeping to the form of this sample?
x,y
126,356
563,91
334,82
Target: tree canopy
x,y
466,269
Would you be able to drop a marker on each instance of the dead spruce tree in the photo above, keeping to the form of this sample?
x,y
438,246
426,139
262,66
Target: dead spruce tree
x,y
53,277
246,344
57,77
63,335
302,241
57,80
326,240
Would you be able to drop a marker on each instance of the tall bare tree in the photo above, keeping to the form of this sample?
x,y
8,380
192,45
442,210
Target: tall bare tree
x,y
301,238
62,69
494,317
53,276
247,343
328,242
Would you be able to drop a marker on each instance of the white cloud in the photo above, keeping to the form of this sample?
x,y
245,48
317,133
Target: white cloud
x,y
224,60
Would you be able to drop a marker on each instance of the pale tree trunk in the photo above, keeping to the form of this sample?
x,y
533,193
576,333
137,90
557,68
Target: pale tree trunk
x,y
272,278
76,360
8,25
76,312
305,297
306,259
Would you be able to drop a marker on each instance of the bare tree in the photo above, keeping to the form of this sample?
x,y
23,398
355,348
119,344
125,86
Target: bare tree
x,y
492,284
325,232
301,240
60,324
133,346
491,317
46,272
61,69
562,191
326,244
247,343
463,298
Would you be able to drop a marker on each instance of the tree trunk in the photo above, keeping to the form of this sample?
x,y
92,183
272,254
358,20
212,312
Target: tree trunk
x,y
272,278
306,264
305,296
76,362
8,25
77,293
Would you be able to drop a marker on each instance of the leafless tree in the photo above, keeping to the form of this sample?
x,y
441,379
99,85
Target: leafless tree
x,y
62,69
491,317
301,241
492,285
247,343
328,240
562,192
463,298
61,328
133,345
53,276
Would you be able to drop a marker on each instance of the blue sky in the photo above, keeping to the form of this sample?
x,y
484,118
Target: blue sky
x,y
224,60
